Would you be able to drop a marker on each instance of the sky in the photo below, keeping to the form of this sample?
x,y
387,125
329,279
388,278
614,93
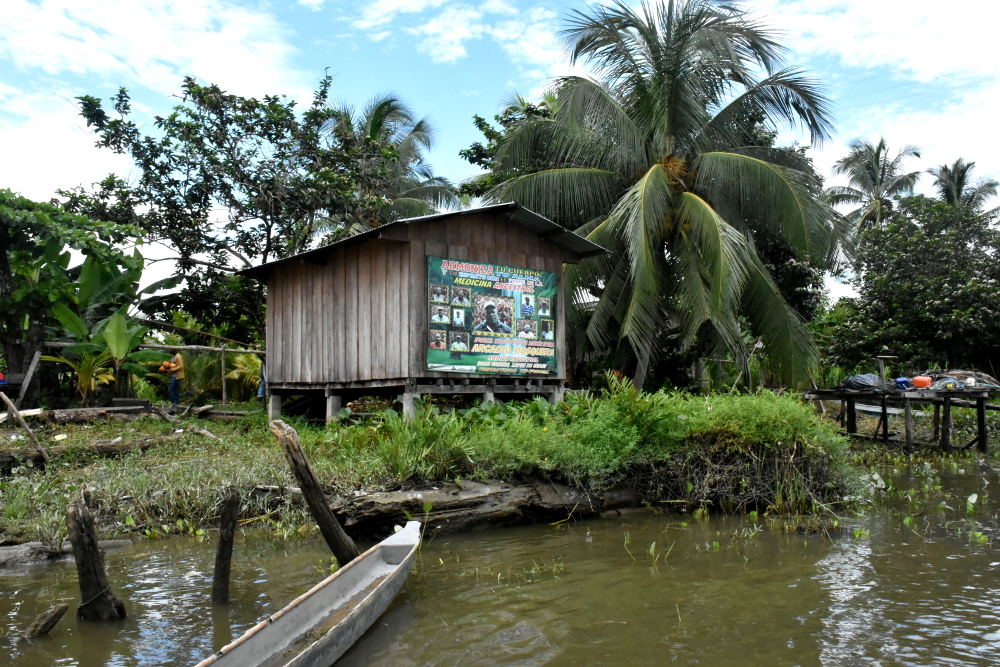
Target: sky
x,y
907,70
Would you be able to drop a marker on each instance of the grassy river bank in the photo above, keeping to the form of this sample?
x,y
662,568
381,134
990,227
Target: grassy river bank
x,y
762,453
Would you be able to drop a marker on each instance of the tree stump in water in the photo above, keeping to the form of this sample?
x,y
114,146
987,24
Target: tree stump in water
x,y
98,603
224,552
343,547
45,622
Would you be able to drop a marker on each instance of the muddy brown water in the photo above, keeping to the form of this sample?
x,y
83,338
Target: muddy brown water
x,y
923,590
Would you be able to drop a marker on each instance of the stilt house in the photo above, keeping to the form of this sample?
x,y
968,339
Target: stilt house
x,y
469,302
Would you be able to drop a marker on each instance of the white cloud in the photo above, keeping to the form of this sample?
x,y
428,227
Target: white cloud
x,y
154,45
47,146
381,12
917,46
444,36
921,37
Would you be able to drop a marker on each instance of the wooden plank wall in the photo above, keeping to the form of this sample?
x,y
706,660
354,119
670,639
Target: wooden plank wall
x,y
363,315
344,321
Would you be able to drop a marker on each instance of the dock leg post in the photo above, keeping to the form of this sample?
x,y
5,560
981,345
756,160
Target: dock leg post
x,y
334,403
908,417
273,407
852,417
224,550
981,423
885,419
946,424
937,421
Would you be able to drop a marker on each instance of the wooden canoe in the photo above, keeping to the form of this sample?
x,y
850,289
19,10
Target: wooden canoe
x,y
319,626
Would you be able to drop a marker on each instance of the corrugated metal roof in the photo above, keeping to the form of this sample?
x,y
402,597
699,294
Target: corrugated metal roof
x,y
528,219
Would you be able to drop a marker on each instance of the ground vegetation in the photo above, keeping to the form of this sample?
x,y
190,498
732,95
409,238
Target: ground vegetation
x,y
735,453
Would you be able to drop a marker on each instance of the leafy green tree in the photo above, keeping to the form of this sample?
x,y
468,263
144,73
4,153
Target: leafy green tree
x,y
928,291
228,181
955,186
875,181
656,161
35,239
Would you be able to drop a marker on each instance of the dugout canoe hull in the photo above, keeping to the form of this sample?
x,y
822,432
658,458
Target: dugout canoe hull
x,y
316,628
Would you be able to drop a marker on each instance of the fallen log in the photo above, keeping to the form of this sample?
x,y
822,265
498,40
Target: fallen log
x,y
46,621
84,415
11,458
166,416
464,505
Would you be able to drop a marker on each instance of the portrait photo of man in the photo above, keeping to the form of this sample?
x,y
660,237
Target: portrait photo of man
x,y
438,315
526,329
527,305
548,330
489,316
438,294
460,296
459,343
544,307
437,340
458,317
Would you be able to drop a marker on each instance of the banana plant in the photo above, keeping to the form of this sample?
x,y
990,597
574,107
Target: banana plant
x,y
114,338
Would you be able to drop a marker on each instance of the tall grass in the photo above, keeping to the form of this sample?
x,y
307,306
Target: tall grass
x,y
762,452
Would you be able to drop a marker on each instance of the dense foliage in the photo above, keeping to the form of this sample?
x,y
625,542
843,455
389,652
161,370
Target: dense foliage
x,y
35,240
929,291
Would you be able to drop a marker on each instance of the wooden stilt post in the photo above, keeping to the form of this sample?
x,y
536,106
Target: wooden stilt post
x,y
340,544
852,416
946,424
98,603
273,407
31,434
334,404
224,552
885,418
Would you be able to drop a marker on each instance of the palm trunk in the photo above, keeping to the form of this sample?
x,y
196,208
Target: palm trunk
x,y
639,379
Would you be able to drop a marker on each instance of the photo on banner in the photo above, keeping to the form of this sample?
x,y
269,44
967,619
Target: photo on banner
x,y
500,320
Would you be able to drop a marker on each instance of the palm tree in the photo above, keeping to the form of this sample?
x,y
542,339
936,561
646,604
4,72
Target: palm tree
x,y
656,160
875,180
954,185
406,183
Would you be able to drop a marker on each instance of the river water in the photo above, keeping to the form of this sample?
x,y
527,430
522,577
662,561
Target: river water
x,y
915,581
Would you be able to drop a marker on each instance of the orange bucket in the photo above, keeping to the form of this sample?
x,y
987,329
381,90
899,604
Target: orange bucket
x,y
921,382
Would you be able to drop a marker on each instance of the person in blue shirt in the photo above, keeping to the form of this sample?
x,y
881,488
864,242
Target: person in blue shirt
x,y
527,310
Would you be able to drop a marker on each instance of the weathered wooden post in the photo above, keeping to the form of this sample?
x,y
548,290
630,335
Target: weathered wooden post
x,y
98,603
46,621
946,424
343,547
224,552
908,423
981,424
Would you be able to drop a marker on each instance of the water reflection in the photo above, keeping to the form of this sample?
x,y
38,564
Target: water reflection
x,y
916,593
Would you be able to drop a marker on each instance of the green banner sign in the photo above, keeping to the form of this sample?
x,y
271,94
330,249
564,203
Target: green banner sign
x,y
490,319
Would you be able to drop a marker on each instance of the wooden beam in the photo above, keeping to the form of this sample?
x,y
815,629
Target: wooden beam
x,y
31,434
27,378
